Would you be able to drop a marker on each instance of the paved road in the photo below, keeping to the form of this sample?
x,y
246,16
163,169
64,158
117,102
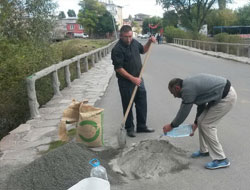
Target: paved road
x,y
167,62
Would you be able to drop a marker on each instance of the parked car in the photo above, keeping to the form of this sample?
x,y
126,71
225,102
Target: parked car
x,y
81,35
139,35
145,36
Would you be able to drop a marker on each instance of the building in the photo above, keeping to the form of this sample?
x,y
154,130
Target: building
x,y
67,27
115,10
141,17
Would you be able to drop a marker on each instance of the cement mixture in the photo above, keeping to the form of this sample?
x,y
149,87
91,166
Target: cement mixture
x,y
150,159
60,169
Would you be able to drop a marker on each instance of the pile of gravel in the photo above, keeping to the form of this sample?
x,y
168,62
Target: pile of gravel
x,y
151,159
60,169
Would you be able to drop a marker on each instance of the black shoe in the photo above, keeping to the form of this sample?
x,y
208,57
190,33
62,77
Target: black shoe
x,y
145,130
131,133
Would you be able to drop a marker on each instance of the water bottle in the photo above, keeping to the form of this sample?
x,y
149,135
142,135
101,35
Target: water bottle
x,y
180,131
98,170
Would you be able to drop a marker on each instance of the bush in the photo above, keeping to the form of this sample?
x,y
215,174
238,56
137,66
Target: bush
x,y
17,61
226,38
171,32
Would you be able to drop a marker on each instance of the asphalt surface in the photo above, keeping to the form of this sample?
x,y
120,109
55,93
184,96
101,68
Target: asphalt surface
x,y
24,144
167,62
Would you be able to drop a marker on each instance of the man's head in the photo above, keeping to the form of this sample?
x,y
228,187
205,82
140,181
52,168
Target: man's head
x,y
174,86
126,34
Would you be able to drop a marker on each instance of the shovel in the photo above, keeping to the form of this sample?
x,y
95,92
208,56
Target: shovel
x,y
121,137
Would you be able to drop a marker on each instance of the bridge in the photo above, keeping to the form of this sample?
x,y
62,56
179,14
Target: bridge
x,y
98,85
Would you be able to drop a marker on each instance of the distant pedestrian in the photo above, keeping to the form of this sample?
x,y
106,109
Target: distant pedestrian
x,y
214,97
158,38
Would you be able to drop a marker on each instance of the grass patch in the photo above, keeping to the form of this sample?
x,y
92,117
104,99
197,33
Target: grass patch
x,y
55,144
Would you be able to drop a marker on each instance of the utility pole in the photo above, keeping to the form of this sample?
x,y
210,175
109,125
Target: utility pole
x,y
112,11
116,37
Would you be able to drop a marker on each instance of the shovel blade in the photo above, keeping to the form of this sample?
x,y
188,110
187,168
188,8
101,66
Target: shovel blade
x,y
121,137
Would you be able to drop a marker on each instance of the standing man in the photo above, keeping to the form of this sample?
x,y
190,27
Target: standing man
x,y
214,97
127,64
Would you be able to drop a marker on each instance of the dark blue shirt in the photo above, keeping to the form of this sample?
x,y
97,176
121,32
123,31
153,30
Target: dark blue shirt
x,y
127,57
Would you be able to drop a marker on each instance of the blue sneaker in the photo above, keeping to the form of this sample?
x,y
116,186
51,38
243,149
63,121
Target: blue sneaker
x,y
199,154
217,164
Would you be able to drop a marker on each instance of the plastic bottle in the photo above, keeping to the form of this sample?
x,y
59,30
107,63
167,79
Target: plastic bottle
x,y
180,131
98,170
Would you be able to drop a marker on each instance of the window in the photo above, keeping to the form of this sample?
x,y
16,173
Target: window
x,y
72,27
80,27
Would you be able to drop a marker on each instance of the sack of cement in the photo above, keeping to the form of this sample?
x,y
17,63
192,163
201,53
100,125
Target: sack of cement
x,y
89,123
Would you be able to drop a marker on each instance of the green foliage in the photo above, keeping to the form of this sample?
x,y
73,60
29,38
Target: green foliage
x,y
55,144
171,32
224,37
61,15
29,20
71,13
17,61
192,12
105,24
170,18
223,3
94,17
243,15
225,17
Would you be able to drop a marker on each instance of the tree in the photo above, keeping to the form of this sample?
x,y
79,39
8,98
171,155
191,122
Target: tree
x,y
91,14
170,18
27,20
243,16
130,18
193,12
223,3
25,29
61,15
71,13
105,24
219,17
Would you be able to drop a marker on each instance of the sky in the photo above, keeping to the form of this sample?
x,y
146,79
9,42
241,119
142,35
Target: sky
x,y
132,7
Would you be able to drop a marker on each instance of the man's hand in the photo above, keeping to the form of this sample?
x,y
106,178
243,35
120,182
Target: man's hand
x,y
194,127
167,128
152,39
136,81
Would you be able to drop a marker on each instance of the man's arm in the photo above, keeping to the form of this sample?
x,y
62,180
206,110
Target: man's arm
x,y
126,75
180,117
147,45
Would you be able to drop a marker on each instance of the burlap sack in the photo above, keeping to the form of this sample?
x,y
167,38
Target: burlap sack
x,y
89,123
90,126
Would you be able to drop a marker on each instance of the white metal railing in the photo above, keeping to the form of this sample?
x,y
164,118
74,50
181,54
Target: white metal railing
x,y
229,48
94,55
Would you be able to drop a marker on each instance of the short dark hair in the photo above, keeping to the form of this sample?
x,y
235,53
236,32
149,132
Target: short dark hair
x,y
125,28
174,82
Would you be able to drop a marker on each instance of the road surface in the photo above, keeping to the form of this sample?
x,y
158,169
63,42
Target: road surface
x,y
167,62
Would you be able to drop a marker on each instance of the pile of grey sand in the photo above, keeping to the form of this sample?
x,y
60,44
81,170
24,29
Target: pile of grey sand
x,y
150,159
61,168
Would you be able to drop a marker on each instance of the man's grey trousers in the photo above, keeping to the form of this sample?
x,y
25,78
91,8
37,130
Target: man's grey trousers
x,y
207,125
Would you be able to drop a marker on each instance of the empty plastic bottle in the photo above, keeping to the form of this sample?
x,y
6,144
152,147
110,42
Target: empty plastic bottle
x,y
98,170
180,131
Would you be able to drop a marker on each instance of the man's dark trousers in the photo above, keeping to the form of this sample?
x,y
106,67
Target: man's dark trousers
x,y
126,89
